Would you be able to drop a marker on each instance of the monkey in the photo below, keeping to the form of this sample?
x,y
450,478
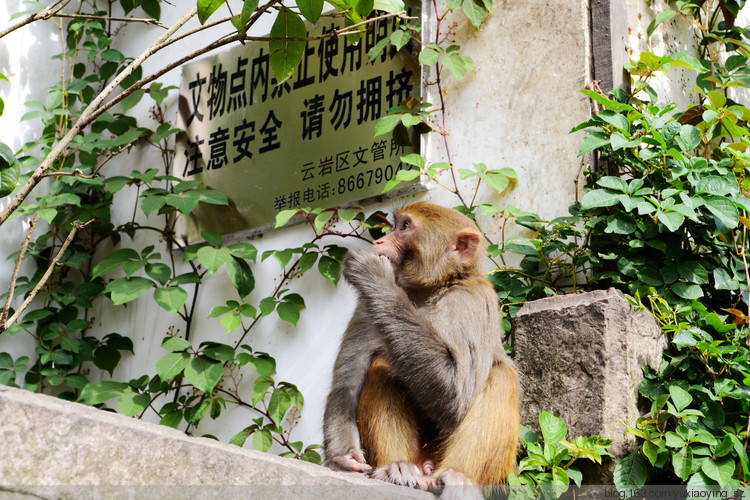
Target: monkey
x,y
423,393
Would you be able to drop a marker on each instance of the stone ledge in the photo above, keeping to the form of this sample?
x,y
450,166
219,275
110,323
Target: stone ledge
x,y
57,449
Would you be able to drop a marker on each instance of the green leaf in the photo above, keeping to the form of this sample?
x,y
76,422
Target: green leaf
x,y
130,101
10,170
389,6
263,364
213,258
278,405
615,119
630,471
159,272
457,64
723,280
693,272
124,290
204,373
671,220
240,438
401,176
680,397
241,276
724,211
243,251
615,183
476,11
682,462
132,403
619,141
99,392
691,138
592,141
152,203
311,9
321,220
495,180
175,344
260,388
172,364
262,440
599,198
284,216
428,57
206,8
306,261
114,261
285,56
553,428
687,291
171,298
329,269
288,312
172,419
377,49
661,17
399,38
717,185
386,124
219,352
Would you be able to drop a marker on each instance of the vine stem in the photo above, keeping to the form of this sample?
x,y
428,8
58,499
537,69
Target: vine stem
x,y
146,20
16,270
76,226
455,190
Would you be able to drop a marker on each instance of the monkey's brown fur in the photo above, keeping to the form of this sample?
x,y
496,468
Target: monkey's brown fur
x,y
421,373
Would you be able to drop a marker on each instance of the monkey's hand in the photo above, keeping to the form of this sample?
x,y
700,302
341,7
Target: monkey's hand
x,y
365,271
353,461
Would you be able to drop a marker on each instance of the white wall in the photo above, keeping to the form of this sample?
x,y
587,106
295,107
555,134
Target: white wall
x,y
532,57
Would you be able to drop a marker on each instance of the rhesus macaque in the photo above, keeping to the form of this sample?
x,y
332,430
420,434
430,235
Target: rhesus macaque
x,y
423,393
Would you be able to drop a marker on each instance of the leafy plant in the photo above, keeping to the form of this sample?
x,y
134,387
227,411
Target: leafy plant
x,y
549,466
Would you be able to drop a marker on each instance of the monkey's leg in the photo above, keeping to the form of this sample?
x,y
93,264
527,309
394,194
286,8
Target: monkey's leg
x,y
388,428
484,446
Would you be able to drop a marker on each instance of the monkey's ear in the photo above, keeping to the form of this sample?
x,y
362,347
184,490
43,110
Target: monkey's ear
x,y
467,241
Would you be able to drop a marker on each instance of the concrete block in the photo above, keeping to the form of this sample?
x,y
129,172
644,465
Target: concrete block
x,y
56,449
580,357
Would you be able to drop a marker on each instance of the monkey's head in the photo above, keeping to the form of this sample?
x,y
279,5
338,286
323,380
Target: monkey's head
x,y
431,245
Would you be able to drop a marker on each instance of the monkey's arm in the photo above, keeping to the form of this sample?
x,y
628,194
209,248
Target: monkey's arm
x,y
442,359
341,435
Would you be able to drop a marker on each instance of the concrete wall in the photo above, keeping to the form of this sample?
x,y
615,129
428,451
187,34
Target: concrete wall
x,y
56,449
532,57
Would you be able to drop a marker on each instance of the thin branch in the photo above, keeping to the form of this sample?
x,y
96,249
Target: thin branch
x,y
76,226
147,20
42,14
16,269
92,111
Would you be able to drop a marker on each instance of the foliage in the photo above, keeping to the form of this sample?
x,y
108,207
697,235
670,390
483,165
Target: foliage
x,y
666,214
548,467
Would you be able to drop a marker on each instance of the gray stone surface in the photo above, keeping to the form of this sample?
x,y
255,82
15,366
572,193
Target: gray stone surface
x,y
580,358
50,448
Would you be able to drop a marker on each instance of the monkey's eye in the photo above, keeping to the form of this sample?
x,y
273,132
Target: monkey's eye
x,y
405,224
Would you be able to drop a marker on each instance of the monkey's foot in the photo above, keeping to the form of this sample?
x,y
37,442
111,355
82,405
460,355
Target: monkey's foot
x,y
456,486
354,461
404,474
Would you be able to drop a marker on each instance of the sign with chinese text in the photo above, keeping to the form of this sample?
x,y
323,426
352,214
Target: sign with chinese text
x,y
305,143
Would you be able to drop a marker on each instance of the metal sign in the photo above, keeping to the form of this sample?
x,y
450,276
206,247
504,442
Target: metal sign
x,y
305,143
